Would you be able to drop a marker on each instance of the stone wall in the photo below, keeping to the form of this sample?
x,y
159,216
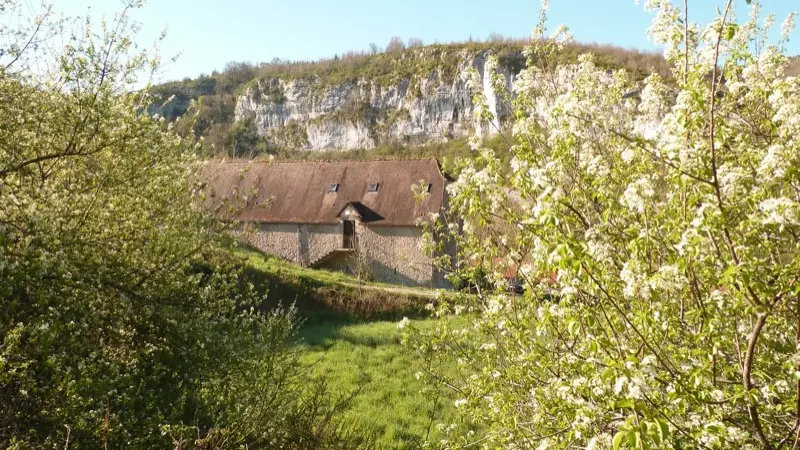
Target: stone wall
x,y
322,239
393,254
396,254
279,239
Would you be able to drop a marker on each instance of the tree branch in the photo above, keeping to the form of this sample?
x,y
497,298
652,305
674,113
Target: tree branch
x,y
747,381
30,40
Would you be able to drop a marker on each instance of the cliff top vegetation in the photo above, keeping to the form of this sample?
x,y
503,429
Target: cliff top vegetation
x,y
399,61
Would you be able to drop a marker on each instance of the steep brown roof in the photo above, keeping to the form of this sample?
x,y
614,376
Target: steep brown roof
x,y
298,191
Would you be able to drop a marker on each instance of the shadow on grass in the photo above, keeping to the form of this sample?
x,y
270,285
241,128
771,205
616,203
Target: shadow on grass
x,y
323,334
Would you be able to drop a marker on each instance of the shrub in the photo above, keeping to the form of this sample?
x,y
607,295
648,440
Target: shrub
x,y
395,45
125,320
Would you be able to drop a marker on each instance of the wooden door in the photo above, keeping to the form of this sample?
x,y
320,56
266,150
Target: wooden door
x,y
349,234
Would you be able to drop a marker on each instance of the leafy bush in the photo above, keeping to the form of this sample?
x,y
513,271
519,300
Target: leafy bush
x,y
395,45
125,321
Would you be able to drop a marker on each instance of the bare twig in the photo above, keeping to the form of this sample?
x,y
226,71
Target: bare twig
x,y
30,39
69,431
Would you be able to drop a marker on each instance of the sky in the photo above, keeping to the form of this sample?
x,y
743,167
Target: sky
x,y
209,33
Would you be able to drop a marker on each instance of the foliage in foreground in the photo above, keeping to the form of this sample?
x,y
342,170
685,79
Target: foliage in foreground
x,y
666,226
124,322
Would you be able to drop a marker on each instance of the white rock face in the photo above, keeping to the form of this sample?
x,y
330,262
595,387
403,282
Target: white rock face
x,y
363,114
328,135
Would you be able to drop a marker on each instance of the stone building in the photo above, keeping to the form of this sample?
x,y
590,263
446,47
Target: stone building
x,y
354,216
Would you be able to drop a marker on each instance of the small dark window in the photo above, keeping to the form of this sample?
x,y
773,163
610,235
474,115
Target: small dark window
x,y
374,187
334,187
430,186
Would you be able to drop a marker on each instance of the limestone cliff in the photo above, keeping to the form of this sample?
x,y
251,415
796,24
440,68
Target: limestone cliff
x,y
413,97
310,113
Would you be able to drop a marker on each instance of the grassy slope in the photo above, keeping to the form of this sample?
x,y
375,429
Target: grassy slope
x,y
331,294
350,337
279,266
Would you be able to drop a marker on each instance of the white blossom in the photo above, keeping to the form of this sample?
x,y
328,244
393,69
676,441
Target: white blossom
x,y
627,155
731,180
779,211
668,278
787,26
637,194
403,323
773,164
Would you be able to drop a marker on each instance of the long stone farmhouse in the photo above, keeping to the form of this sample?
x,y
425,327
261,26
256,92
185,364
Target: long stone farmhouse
x,y
353,216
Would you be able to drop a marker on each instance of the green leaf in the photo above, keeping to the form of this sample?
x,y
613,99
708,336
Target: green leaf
x,y
625,403
663,429
573,327
730,31
635,439
617,441
659,434
752,396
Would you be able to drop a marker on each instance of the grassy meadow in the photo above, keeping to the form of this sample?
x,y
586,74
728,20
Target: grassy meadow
x,y
369,356
350,337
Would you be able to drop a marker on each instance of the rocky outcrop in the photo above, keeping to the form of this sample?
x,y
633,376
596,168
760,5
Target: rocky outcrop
x,y
313,114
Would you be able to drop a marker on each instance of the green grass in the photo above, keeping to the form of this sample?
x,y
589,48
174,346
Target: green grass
x,y
278,266
329,294
369,356
271,264
350,337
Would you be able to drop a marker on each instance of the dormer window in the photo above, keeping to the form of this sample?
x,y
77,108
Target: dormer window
x,y
334,187
374,187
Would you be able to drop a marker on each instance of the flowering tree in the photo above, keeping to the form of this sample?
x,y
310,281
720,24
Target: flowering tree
x,y
656,228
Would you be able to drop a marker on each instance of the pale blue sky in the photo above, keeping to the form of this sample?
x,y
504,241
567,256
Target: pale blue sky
x,y
210,33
